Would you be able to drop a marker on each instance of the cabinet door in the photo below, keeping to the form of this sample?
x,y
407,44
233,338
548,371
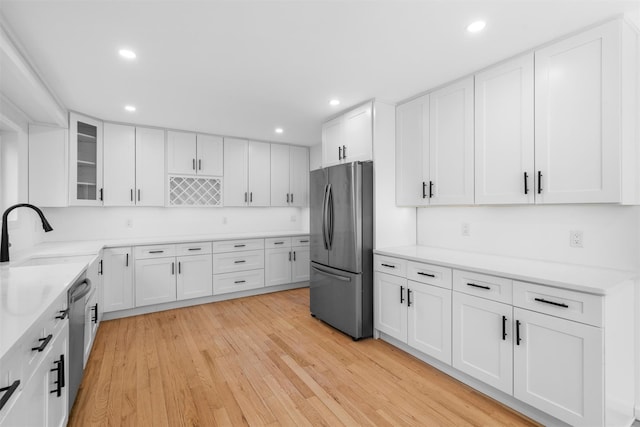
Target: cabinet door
x,y
85,168
481,347
119,164
577,110
58,405
194,276
451,144
504,133
259,173
117,289
155,281
558,367
301,264
210,155
34,397
358,134
412,153
90,324
298,176
390,305
429,320
280,168
277,266
181,153
150,177
48,166
332,142
235,172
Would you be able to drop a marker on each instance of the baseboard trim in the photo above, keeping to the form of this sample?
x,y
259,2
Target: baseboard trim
x,y
204,300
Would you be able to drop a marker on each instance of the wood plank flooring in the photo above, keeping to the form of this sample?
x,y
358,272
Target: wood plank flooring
x,y
264,361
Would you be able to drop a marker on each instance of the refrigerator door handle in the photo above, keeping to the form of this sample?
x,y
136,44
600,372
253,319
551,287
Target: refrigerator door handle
x,y
324,218
330,216
335,276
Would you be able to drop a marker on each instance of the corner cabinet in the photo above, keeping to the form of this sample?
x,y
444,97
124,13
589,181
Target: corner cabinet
x,y
85,165
118,279
349,137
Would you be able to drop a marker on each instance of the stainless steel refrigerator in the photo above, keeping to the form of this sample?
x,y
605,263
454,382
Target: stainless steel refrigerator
x,y
341,287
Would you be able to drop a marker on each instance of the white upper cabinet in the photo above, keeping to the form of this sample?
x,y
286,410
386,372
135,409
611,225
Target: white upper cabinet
x,y
577,109
349,137
85,166
451,144
133,166
181,153
150,176
412,153
209,149
119,165
48,168
247,172
504,146
289,175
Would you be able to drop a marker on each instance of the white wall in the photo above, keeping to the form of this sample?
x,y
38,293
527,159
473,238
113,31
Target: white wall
x,y
89,223
538,232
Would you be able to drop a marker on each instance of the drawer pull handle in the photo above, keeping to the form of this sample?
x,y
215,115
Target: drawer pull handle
x,y
504,328
426,274
388,265
156,252
239,246
239,261
304,241
401,294
94,319
518,332
557,304
59,382
240,281
479,286
63,314
9,392
195,249
42,346
278,243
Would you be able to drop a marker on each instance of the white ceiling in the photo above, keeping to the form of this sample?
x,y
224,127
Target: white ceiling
x,y
242,68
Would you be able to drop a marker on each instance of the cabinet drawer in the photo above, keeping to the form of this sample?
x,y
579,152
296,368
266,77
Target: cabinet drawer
x,y
237,261
430,274
483,285
277,242
300,241
237,281
154,251
572,305
395,266
193,248
238,245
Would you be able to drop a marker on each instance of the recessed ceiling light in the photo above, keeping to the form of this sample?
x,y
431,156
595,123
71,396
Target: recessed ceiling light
x,y
334,102
130,108
476,27
279,130
127,54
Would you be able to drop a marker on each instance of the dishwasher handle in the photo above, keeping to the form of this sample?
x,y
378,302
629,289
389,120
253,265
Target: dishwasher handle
x,y
79,291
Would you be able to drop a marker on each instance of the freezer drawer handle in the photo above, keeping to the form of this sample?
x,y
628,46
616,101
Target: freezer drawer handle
x,y
388,265
335,276
9,392
42,346
557,304
426,274
479,286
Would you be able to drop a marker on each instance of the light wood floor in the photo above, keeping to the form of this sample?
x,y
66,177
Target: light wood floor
x,y
264,361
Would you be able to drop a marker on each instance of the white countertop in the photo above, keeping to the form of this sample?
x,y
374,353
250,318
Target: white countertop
x,y
592,280
26,292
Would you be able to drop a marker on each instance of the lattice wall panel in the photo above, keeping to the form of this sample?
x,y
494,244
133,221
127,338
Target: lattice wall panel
x,y
195,191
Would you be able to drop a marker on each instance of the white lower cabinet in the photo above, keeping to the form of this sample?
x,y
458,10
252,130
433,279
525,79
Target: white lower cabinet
x,y
117,286
558,367
482,344
155,281
226,283
57,379
90,324
287,260
277,265
414,313
194,276
301,264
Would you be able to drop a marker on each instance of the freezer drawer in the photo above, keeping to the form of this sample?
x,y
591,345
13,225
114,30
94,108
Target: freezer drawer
x,y
336,298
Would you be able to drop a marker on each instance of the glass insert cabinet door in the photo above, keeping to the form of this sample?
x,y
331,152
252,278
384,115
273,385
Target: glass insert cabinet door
x,y
85,177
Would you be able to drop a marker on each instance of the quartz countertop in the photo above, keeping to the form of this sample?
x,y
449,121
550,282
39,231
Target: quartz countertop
x,y
593,280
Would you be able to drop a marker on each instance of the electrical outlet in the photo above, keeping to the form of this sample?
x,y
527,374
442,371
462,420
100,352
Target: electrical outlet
x,y
465,229
293,218
576,239
129,223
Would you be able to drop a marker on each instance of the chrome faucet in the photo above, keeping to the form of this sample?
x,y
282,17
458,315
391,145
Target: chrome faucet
x,y
4,245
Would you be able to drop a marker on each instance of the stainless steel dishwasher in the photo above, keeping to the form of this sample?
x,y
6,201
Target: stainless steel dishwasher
x,y
77,295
